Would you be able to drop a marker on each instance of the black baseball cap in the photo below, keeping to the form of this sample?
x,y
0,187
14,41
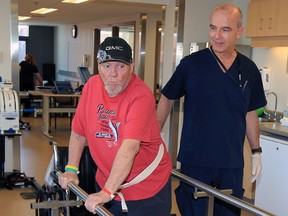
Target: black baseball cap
x,y
114,49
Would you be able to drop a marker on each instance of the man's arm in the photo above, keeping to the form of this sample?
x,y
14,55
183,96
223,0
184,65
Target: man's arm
x,y
122,164
252,129
252,133
163,110
76,146
121,168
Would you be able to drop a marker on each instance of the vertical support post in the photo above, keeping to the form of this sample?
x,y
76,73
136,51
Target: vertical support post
x,y
2,157
210,205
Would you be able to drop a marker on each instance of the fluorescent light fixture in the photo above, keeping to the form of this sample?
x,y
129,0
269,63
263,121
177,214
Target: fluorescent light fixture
x,y
21,18
74,1
44,10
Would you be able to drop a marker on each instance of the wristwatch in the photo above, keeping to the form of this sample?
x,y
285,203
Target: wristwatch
x,y
257,150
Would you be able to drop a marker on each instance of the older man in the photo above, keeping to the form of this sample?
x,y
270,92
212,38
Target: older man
x,y
116,116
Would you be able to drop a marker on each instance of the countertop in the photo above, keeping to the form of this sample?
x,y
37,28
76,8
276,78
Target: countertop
x,y
274,130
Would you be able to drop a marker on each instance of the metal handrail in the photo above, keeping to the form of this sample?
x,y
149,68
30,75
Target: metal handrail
x,y
224,197
79,192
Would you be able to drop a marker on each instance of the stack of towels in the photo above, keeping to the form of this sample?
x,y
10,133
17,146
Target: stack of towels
x,y
284,121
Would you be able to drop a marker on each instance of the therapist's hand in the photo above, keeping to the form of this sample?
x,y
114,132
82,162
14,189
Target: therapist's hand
x,y
256,166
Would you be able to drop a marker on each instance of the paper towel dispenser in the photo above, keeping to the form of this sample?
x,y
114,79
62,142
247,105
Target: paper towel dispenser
x,y
266,78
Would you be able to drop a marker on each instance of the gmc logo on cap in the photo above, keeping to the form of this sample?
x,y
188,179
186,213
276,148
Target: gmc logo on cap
x,y
114,48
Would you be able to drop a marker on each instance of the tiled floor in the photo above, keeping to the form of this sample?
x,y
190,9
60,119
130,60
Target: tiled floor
x,y
35,156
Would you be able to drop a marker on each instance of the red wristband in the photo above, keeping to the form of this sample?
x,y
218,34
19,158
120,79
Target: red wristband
x,y
108,193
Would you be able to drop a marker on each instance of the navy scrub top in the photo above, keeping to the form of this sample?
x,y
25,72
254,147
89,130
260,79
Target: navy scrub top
x,y
215,108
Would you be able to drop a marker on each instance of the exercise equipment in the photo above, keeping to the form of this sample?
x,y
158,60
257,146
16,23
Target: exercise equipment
x,y
9,127
9,110
52,199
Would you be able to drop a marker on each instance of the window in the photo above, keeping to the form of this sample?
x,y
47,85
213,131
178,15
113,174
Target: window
x,y
22,50
23,30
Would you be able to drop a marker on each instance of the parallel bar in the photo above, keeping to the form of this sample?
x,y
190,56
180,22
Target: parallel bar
x,y
100,210
226,198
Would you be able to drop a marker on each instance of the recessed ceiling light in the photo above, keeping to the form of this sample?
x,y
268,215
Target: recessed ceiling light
x,y
74,1
44,10
21,18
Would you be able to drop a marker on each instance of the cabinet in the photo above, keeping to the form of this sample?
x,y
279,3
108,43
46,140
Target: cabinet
x,y
267,23
282,18
261,16
271,187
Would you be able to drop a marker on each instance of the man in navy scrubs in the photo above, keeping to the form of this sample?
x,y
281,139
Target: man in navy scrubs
x,y
223,90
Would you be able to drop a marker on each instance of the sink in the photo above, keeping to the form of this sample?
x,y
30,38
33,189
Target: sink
x,y
260,119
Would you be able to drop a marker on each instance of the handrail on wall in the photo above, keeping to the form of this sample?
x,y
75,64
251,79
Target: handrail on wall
x,y
212,192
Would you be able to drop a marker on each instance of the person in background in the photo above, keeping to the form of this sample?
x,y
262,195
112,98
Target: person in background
x,y
29,74
222,89
29,78
116,116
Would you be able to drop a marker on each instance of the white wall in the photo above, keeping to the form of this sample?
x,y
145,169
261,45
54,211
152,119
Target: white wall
x,y
243,4
276,59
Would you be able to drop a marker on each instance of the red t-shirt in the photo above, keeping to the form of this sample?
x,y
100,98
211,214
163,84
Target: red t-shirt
x,y
105,121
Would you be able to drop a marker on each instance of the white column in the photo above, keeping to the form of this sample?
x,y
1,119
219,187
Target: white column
x,y
168,58
9,69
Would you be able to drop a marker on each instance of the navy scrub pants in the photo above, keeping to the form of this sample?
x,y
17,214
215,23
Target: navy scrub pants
x,y
216,177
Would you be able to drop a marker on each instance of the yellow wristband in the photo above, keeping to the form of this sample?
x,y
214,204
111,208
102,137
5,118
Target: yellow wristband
x,y
72,167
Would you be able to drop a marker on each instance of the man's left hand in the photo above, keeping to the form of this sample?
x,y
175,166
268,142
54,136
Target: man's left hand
x,y
256,166
95,199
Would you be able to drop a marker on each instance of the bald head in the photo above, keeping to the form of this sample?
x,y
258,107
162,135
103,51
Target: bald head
x,y
232,9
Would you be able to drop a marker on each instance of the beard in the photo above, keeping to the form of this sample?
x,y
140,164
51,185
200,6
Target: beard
x,y
114,90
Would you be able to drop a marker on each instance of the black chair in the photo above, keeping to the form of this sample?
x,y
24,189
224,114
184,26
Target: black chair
x,y
86,176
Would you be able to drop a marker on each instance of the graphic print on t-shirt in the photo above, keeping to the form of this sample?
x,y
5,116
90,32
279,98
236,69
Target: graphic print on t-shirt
x,y
109,129
114,129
